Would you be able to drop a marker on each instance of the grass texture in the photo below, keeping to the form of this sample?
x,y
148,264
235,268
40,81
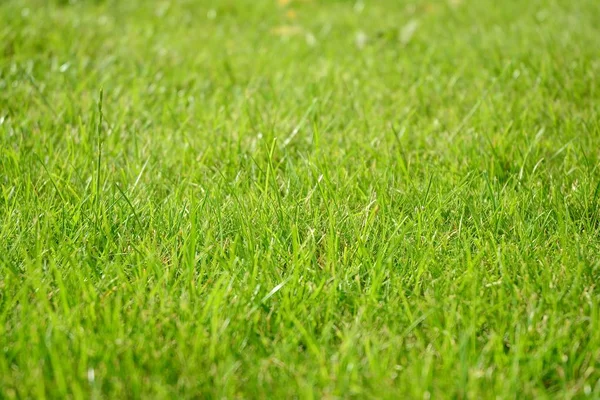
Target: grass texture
x,y
299,199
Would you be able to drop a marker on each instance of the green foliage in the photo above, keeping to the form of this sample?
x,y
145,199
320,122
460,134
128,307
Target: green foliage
x,y
390,199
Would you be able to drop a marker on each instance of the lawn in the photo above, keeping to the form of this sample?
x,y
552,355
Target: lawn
x,y
299,199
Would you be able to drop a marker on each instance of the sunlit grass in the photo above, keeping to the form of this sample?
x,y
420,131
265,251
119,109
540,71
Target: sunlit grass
x,y
275,199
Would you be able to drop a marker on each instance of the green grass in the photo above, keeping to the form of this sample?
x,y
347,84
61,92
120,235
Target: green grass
x,y
320,199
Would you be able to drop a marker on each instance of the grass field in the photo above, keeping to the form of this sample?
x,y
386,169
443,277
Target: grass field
x,y
305,198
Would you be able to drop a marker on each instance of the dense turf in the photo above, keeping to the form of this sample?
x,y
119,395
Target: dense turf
x,y
268,199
